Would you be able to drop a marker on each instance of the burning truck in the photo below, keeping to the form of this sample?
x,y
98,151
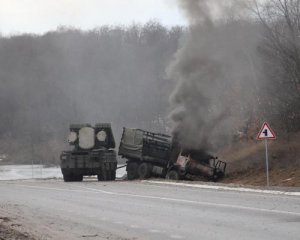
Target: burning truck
x,y
154,154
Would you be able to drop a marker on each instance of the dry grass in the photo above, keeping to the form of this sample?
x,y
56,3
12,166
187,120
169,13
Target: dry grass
x,y
8,231
246,162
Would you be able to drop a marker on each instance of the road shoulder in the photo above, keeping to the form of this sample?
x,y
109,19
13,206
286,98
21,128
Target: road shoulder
x,y
9,230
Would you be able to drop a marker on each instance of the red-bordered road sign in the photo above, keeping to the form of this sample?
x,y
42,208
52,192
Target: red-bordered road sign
x,y
266,132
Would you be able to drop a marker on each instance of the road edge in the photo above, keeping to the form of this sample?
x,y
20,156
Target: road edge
x,y
226,188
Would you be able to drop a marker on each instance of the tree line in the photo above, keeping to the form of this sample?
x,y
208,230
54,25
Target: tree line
x,y
118,74
109,74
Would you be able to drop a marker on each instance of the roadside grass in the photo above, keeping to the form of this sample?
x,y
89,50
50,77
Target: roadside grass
x,y
246,162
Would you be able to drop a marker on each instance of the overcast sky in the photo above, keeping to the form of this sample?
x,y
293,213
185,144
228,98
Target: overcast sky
x,y
39,16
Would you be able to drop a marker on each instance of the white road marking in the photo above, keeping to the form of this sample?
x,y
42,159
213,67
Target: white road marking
x,y
93,190
154,231
238,189
118,222
134,226
176,237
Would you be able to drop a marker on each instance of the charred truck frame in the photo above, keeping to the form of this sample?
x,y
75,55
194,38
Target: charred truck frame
x,y
153,154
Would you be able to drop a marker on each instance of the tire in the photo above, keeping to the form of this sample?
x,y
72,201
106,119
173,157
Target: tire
x,y
99,177
144,170
109,175
104,176
78,178
67,178
113,175
132,170
72,178
173,175
217,176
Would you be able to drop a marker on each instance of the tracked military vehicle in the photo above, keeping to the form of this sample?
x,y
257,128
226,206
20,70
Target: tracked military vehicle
x,y
154,154
92,153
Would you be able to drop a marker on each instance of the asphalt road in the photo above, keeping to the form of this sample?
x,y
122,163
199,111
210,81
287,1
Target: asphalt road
x,y
139,210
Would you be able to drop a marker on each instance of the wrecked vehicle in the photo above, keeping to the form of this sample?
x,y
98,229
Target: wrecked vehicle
x,y
147,153
92,153
192,163
153,154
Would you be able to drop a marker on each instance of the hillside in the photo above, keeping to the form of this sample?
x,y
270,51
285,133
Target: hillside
x,y
246,162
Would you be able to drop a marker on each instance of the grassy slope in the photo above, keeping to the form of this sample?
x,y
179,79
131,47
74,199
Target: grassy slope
x,y
246,162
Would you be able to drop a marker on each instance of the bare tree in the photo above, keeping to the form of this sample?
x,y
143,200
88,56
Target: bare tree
x,y
280,50
113,74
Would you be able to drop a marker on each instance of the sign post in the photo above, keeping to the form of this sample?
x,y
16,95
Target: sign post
x,y
267,162
266,133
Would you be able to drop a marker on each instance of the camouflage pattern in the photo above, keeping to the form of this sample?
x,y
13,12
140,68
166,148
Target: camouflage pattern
x,y
153,154
98,159
147,153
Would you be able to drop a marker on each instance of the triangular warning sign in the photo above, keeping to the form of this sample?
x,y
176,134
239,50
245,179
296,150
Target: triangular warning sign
x,y
266,132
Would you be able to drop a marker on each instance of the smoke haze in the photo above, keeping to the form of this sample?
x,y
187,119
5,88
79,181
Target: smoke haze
x,y
110,74
231,71
214,71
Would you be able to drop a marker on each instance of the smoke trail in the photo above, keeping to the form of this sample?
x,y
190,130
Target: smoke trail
x,y
213,74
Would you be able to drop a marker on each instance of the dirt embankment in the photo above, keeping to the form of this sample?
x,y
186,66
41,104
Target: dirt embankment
x,y
246,162
257,177
9,230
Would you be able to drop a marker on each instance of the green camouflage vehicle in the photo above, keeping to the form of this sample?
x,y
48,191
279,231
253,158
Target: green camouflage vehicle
x,y
147,153
92,153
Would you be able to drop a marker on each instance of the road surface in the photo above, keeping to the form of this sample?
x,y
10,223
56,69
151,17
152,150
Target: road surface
x,y
52,209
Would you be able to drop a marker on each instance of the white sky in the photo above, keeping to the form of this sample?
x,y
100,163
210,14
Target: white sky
x,y
39,16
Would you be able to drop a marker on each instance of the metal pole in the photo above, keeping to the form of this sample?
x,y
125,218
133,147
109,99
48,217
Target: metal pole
x,y
32,167
41,163
267,162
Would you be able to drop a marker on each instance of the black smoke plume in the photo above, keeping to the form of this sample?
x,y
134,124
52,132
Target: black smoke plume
x,y
213,68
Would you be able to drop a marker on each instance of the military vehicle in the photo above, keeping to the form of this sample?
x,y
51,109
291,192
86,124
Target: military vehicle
x,y
147,153
153,154
191,164
92,153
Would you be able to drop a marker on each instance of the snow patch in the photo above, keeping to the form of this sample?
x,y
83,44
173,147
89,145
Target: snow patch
x,y
18,172
239,189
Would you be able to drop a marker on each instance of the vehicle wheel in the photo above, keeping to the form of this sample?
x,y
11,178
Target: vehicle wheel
x,y
113,175
109,175
72,178
217,176
131,170
78,178
144,170
173,175
104,176
67,177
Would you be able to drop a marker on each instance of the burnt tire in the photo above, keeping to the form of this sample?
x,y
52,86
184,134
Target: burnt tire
x,y
217,176
132,170
173,175
144,170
